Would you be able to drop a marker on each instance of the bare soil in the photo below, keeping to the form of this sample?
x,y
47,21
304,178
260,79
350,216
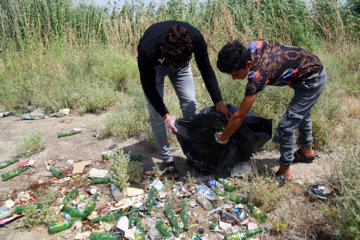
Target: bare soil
x,y
84,147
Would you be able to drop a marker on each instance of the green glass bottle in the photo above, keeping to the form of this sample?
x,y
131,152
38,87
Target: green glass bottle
x,y
4,164
109,155
56,172
228,186
233,197
21,208
72,211
139,232
256,213
242,235
164,229
134,217
68,133
151,199
70,196
104,236
213,224
61,226
172,219
112,217
13,173
103,180
90,206
184,216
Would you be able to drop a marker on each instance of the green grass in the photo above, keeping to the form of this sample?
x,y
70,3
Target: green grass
x,y
29,145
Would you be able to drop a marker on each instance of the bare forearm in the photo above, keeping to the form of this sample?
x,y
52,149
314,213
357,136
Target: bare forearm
x,y
233,125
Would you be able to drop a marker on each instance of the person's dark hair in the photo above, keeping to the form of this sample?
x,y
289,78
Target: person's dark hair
x,y
233,57
178,46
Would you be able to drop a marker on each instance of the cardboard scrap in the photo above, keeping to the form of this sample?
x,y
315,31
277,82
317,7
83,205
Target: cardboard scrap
x,y
131,191
80,166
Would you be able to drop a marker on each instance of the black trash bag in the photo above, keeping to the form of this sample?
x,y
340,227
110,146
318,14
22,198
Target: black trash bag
x,y
196,137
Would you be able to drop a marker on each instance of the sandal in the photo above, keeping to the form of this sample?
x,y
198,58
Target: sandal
x,y
280,179
170,171
300,157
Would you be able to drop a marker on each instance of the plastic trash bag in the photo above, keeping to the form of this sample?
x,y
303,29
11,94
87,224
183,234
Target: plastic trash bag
x,y
196,137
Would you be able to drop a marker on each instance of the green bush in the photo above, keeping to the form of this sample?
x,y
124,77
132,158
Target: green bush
x,y
345,214
30,144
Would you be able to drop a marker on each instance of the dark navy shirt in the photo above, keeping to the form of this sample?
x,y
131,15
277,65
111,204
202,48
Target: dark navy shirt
x,y
149,55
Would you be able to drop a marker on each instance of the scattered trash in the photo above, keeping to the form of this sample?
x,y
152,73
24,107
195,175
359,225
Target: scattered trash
x,y
151,199
35,115
6,163
10,219
319,191
5,212
29,162
6,114
252,226
98,173
69,133
61,226
13,173
203,190
9,203
204,202
92,190
56,172
117,194
104,236
243,234
96,134
70,196
158,185
70,162
90,206
103,180
80,166
131,192
109,155
240,169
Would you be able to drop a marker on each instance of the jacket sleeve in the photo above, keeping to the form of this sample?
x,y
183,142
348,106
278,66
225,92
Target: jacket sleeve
x,y
207,72
147,78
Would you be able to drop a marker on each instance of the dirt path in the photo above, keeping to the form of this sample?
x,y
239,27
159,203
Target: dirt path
x,y
85,146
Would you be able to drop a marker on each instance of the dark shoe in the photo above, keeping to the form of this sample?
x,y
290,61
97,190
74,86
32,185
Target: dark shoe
x,y
300,157
280,179
170,171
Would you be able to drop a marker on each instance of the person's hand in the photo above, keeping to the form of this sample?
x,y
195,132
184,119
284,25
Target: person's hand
x,y
218,137
170,123
220,107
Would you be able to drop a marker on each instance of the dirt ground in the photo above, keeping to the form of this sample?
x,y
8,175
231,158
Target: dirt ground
x,y
85,146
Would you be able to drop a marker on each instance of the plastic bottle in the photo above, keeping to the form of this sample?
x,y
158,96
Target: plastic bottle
x,y
256,213
61,226
204,202
172,219
68,133
112,217
70,196
56,172
117,194
228,186
151,199
164,229
139,232
4,164
104,236
242,235
184,216
103,180
90,206
13,173
72,211
21,208
213,224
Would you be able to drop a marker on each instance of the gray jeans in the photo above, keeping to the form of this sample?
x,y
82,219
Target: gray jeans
x,y
297,115
183,83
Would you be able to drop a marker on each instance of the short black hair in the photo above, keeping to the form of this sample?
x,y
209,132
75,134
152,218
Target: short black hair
x,y
178,46
233,57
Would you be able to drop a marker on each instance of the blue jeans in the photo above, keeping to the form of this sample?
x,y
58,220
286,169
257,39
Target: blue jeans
x,y
183,83
297,115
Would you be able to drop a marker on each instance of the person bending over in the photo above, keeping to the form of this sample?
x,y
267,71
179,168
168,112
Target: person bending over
x,y
265,63
165,49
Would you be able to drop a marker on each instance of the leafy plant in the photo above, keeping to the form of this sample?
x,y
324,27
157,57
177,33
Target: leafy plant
x,y
30,144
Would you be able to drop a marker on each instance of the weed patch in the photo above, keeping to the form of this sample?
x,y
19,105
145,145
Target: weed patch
x,y
30,145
